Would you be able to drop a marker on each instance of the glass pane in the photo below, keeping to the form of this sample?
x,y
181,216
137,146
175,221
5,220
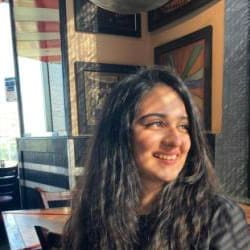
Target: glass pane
x,y
40,67
9,124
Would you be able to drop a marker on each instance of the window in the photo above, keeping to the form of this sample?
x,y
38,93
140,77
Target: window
x,y
37,26
9,123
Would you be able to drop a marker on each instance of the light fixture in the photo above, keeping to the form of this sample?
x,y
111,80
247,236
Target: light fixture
x,y
129,6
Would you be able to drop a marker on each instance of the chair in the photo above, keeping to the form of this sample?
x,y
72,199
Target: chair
x,y
49,197
9,188
48,240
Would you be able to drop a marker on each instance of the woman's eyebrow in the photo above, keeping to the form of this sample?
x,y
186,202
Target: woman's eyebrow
x,y
160,115
142,118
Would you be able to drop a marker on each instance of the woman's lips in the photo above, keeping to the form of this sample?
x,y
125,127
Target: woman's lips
x,y
167,157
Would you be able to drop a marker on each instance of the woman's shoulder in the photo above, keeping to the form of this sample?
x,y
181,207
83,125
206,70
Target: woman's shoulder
x,y
226,211
228,224
224,203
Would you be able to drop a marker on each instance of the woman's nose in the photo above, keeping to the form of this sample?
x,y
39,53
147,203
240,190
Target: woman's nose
x,y
172,138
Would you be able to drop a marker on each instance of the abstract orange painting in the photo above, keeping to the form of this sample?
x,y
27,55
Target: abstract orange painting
x,y
190,56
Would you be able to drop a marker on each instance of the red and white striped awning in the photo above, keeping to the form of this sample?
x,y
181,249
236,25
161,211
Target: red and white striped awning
x,y
37,29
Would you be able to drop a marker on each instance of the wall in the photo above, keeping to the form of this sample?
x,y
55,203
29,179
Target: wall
x,y
232,145
43,162
139,51
103,49
211,14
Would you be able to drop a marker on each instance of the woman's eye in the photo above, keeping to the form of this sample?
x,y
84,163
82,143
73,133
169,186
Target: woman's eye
x,y
184,127
155,124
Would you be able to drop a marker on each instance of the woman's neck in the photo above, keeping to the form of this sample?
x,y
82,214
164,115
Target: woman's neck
x,y
149,195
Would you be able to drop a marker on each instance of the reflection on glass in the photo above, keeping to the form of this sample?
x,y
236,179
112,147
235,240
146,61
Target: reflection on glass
x,y
9,124
40,67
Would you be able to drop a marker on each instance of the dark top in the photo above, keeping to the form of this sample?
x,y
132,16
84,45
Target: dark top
x,y
228,228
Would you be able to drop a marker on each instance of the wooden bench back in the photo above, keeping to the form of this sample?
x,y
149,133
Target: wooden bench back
x,y
53,196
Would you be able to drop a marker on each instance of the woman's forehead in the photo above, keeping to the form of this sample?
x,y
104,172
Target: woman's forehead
x,y
161,98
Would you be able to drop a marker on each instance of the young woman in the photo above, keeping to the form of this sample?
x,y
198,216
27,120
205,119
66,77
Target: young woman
x,y
149,182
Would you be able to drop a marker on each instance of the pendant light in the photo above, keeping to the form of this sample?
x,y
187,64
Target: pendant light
x,y
129,6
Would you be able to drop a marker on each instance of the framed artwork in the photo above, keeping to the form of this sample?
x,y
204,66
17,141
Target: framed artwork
x,y
93,83
90,18
191,56
172,11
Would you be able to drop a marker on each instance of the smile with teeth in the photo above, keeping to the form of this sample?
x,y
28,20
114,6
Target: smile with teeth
x,y
165,157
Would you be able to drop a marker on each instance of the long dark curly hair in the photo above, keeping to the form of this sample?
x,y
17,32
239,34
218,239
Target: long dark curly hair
x,y
105,215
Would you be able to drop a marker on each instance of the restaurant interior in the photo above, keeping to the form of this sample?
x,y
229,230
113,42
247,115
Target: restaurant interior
x,y
67,55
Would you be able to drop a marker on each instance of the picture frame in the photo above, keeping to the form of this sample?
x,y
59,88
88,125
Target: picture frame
x,y
93,83
90,18
172,11
191,57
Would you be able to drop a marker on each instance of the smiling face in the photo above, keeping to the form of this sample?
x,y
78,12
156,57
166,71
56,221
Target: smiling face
x,y
161,140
